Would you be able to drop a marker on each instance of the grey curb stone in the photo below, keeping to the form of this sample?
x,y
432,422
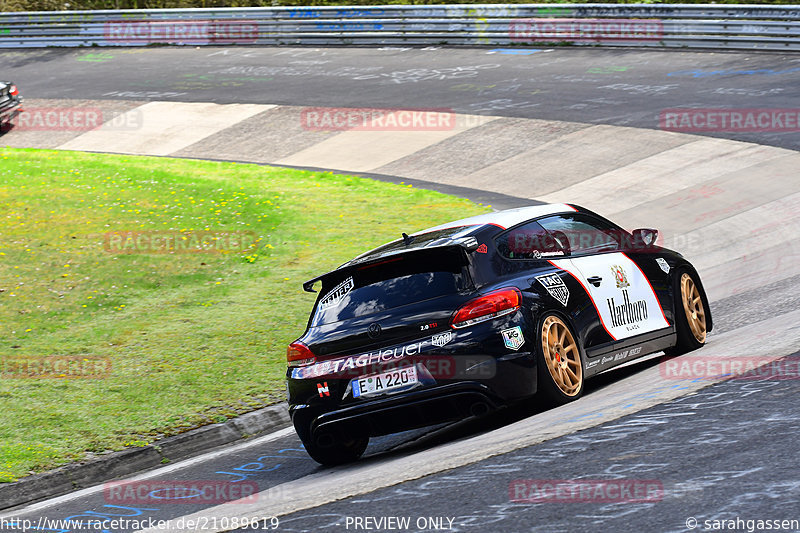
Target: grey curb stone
x,y
133,460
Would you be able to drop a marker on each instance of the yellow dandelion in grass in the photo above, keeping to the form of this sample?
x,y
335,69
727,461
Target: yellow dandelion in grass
x,y
27,330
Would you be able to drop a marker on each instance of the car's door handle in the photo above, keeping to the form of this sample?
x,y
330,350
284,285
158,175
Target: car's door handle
x,y
595,280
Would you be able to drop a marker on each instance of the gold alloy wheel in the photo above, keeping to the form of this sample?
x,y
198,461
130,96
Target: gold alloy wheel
x,y
693,306
562,356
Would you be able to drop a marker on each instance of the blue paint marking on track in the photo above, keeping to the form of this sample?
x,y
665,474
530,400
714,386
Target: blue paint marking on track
x,y
516,51
245,471
698,73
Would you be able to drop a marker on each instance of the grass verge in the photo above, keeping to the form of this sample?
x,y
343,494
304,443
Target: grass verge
x,y
177,339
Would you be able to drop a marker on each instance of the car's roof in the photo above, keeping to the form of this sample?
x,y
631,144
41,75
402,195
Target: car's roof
x,y
462,230
505,219
466,227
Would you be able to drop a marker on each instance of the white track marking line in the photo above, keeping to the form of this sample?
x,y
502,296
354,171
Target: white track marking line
x,y
365,150
161,128
155,473
664,173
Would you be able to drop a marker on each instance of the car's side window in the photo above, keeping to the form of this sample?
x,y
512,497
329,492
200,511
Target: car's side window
x,y
528,241
583,234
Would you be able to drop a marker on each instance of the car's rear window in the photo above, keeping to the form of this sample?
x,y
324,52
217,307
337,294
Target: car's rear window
x,y
417,241
409,278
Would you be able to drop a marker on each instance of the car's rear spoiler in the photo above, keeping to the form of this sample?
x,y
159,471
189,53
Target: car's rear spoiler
x,y
467,244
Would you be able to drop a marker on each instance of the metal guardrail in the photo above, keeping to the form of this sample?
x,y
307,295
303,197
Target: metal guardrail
x,y
664,25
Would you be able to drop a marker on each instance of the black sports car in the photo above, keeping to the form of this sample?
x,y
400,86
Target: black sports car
x,y
10,104
464,318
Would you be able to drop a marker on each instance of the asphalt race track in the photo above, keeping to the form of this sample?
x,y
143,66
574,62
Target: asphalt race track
x,y
717,449
623,88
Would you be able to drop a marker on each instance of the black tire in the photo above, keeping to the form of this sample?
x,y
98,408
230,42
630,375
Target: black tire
x,y
691,312
336,449
559,364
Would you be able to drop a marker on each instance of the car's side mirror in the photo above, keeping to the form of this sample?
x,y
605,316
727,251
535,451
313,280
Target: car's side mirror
x,y
644,237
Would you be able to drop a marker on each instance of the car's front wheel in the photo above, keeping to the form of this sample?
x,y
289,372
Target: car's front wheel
x,y
334,449
560,368
690,314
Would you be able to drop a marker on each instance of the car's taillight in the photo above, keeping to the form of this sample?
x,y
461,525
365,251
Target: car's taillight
x,y
298,354
13,91
487,307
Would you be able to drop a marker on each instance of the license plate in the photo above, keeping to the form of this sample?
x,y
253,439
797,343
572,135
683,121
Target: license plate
x,y
385,382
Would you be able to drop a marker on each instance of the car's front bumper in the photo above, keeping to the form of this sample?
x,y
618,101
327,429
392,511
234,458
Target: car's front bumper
x,y
10,108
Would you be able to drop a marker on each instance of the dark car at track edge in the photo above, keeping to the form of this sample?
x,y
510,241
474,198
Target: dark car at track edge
x,y
463,319
10,104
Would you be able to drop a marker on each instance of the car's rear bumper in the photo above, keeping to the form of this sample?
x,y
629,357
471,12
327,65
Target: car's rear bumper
x,y
410,410
414,409
472,374
514,378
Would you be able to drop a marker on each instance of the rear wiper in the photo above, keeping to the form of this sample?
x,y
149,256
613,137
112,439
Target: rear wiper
x,y
407,240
